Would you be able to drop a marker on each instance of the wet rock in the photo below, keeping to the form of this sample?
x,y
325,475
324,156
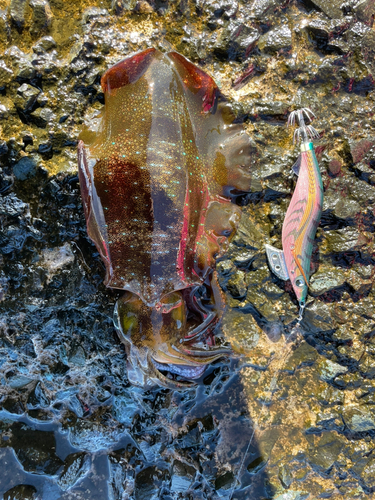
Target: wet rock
x,y
237,285
143,7
26,97
35,449
332,9
364,10
276,39
121,6
328,370
21,492
4,113
38,398
292,495
3,148
6,74
328,395
304,355
247,331
326,450
342,239
226,268
182,477
285,476
269,107
58,258
358,418
42,116
76,466
236,41
259,8
321,33
45,44
42,16
25,168
18,9
4,25
18,381
93,13
326,279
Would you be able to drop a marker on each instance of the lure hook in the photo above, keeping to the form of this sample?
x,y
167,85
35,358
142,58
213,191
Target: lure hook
x,y
302,306
304,130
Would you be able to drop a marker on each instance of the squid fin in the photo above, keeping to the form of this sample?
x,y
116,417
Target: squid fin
x,y
297,165
277,262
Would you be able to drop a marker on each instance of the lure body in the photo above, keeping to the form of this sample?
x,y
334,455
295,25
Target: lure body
x,y
300,224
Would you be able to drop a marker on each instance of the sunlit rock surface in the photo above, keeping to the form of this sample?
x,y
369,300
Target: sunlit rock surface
x,y
290,417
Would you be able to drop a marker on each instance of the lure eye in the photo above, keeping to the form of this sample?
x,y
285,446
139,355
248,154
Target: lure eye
x,y
300,282
274,257
277,268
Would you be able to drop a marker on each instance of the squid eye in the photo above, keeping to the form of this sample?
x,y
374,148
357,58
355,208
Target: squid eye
x,y
300,282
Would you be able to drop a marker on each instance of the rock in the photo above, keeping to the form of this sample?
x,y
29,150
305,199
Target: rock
x,y
358,418
35,449
259,8
346,208
342,239
285,476
304,355
270,107
58,258
359,149
18,10
364,10
276,39
182,477
292,495
42,16
4,111
328,370
19,381
3,148
6,74
121,6
143,7
4,26
93,13
45,148
326,450
326,279
237,285
44,45
76,466
25,168
332,8
226,268
26,97
21,492
367,43
236,41
42,116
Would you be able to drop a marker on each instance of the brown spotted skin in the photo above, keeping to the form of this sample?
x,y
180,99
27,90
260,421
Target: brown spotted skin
x,y
157,178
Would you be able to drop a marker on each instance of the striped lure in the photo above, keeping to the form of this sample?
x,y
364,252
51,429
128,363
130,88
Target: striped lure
x,y
303,214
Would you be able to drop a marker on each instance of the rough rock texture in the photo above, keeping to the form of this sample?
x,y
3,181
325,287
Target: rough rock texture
x,y
291,416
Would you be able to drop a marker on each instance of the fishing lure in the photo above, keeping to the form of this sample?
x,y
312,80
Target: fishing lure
x,y
303,214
